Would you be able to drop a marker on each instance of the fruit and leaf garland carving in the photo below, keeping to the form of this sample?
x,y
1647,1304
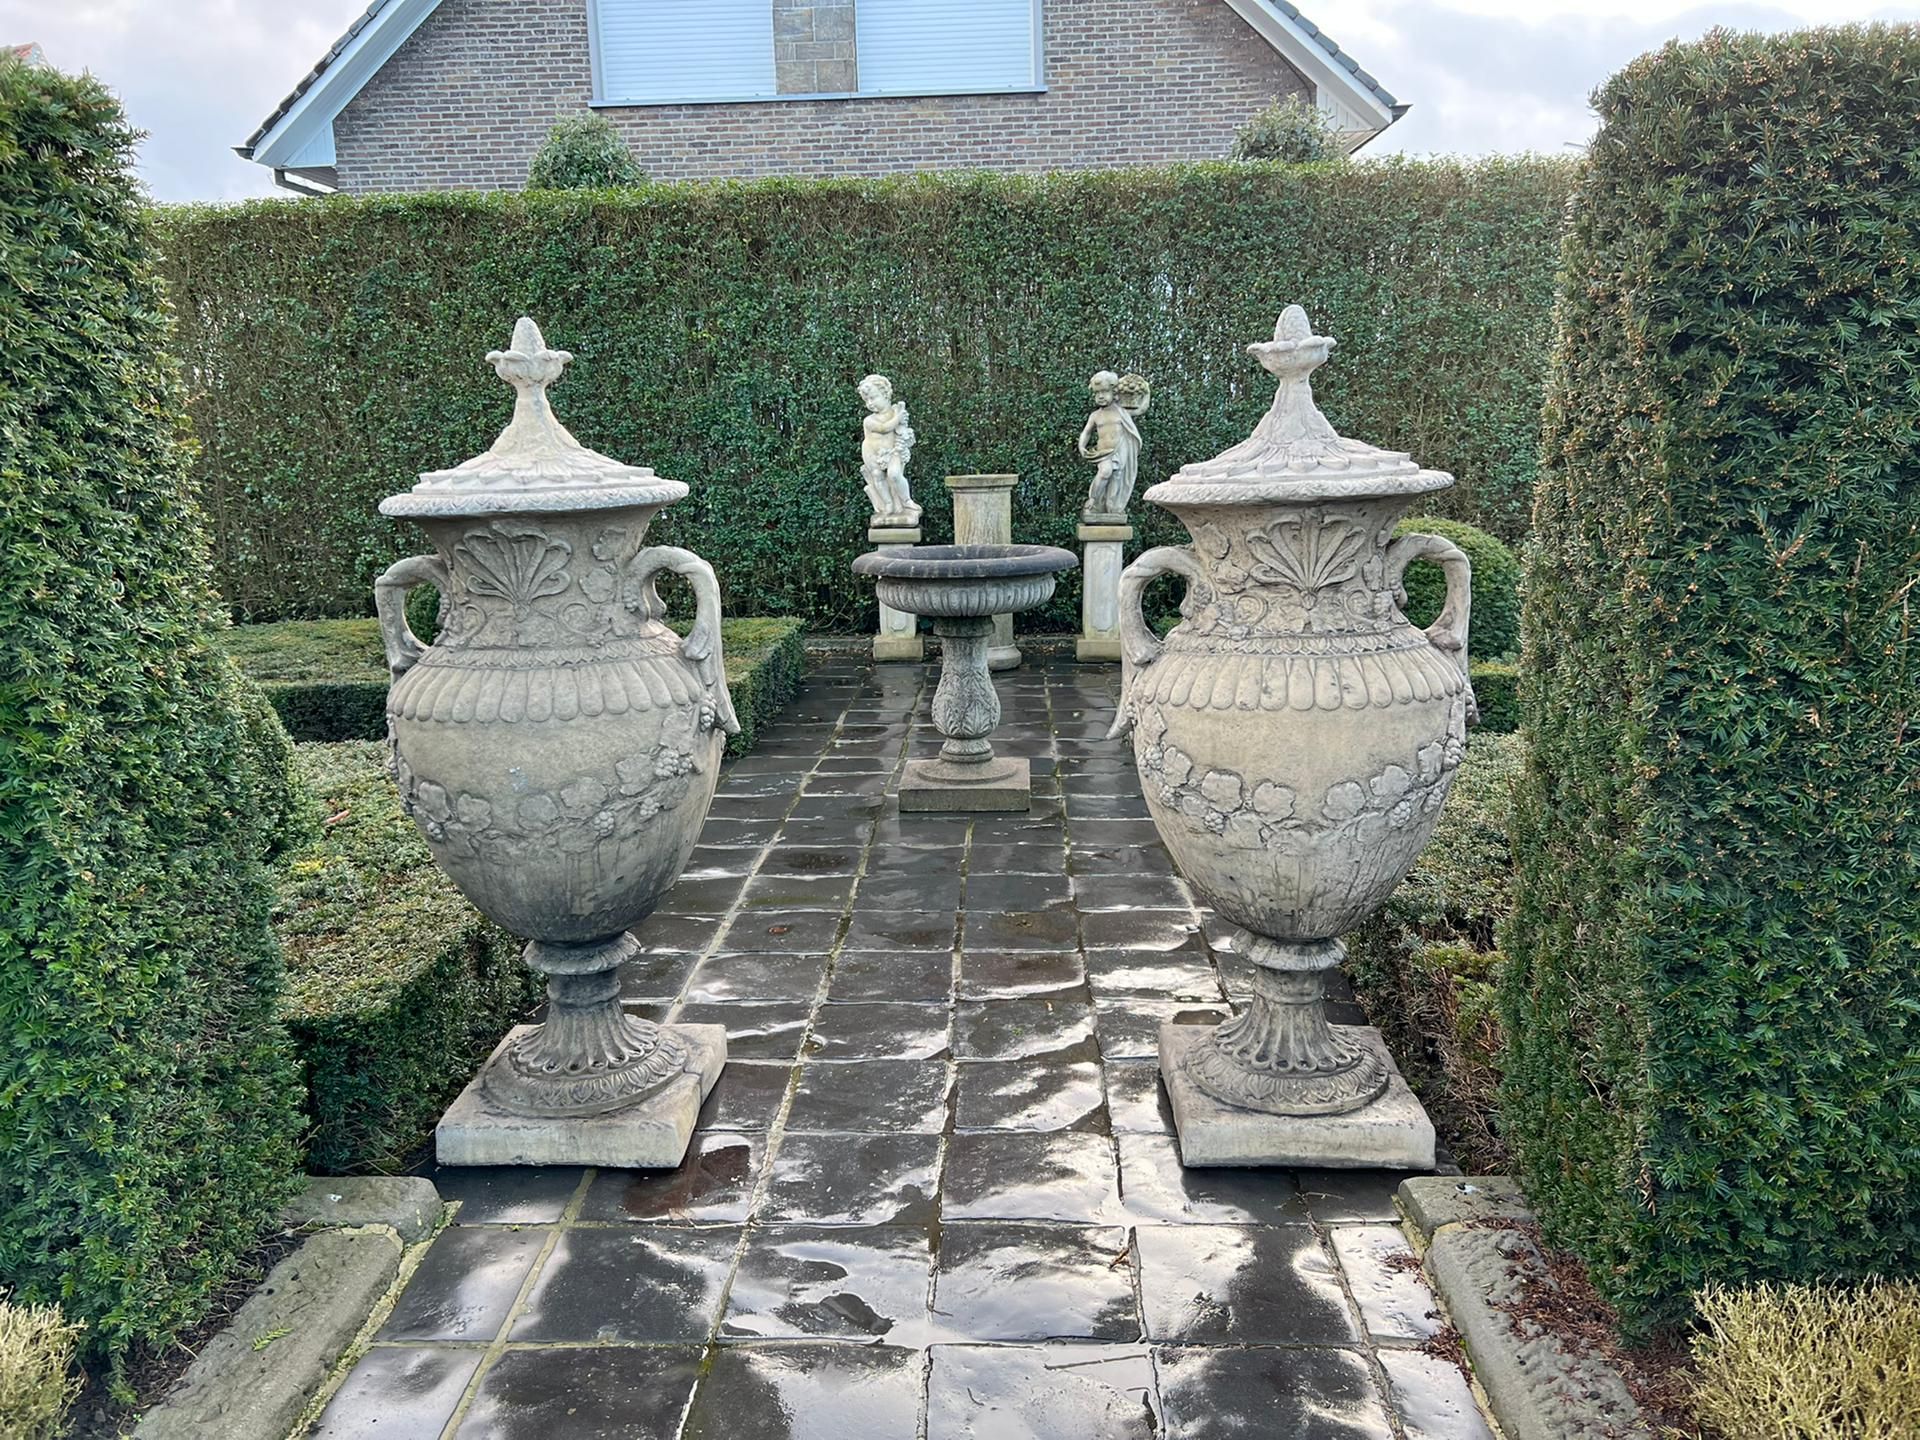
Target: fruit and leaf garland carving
x,y
576,818
1259,814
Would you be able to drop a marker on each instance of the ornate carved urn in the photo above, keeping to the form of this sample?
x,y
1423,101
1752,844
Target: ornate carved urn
x,y
1296,738
558,746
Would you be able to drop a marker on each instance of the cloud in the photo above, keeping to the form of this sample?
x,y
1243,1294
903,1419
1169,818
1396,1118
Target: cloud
x,y
1487,84
197,75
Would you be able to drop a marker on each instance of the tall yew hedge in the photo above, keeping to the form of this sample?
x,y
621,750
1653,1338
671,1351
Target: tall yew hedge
x,y
335,347
149,1108
1713,1006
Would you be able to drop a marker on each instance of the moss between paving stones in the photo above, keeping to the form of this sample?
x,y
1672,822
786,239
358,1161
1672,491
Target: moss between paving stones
x,y
396,987
328,678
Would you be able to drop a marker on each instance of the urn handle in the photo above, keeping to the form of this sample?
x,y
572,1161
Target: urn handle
x,y
701,647
1448,632
1139,647
390,604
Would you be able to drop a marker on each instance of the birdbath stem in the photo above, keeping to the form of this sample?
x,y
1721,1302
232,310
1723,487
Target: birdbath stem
x,y
966,707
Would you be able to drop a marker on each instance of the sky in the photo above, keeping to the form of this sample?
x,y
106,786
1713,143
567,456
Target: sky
x,y
1482,76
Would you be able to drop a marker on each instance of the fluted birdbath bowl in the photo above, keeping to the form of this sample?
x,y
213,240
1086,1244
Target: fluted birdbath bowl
x,y
960,588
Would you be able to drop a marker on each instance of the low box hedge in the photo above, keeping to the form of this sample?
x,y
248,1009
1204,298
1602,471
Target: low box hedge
x,y
396,987
328,678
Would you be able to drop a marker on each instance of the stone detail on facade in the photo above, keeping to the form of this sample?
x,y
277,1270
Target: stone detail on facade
x,y
814,47
469,97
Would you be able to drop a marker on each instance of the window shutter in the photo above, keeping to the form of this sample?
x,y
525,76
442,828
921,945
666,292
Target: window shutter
x,y
945,47
650,51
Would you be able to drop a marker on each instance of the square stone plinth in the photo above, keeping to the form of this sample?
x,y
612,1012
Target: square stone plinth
x,y
652,1134
1085,648
1000,786
899,647
1393,1133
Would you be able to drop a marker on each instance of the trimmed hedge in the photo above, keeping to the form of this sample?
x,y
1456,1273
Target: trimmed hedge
x,y
721,328
1496,686
1495,628
149,1106
328,678
1713,998
1427,967
397,987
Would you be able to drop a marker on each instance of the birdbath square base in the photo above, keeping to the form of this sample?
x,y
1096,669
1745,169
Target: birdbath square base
x,y
652,1134
1391,1133
1002,784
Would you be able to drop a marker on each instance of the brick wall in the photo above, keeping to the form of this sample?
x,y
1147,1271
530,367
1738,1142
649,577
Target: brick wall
x,y
468,99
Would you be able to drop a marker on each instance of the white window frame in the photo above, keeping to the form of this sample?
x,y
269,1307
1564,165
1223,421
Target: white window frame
x,y
601,101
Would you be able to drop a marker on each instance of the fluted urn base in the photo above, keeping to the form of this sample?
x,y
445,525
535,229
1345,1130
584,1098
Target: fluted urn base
x,y
591,1085
1278,1085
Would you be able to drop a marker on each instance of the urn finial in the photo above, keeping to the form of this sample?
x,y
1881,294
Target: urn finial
x,y
536,464
1295,352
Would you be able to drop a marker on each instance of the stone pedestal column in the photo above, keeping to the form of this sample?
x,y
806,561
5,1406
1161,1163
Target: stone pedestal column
x,y
899,637
1104,558
983,515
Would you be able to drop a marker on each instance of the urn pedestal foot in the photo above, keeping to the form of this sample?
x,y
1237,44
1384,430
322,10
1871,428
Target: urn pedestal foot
x,y
651,1133
1389,1133
1002,784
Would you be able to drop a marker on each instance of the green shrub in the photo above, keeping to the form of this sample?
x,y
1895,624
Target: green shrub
x,y
37,1376
397,987
148,1101
1712,1001
583,152
1293,131
1496,687
1495,620
721,329
1427,966
1809,1362
328,678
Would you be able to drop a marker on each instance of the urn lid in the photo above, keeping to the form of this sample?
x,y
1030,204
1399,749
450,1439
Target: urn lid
x,y
1294,453
536,464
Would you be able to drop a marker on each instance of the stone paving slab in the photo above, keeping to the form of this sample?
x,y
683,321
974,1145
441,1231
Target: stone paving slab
x,y
936,1192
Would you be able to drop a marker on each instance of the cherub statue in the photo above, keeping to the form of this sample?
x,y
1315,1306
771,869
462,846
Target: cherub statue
x,y
885,449
1111,439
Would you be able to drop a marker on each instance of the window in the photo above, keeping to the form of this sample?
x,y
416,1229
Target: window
x,y
649,52
947,47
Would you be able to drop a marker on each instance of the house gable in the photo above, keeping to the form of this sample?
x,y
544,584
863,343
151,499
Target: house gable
x,y
471,85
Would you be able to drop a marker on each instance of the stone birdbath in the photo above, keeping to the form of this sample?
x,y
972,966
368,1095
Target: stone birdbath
x,y
960,588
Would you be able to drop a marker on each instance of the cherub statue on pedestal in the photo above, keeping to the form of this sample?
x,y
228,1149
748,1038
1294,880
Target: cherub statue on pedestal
x,y
885,447
1111,439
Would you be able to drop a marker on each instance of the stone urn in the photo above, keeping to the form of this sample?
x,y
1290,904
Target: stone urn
x,y
558,746
960,589
1296,737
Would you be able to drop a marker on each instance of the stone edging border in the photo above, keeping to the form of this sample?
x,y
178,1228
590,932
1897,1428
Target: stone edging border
x,y
1478,1264
257,1378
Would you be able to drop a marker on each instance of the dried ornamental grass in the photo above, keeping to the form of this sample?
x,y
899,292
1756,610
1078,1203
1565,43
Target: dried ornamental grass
x,y
1810,1362
37,1376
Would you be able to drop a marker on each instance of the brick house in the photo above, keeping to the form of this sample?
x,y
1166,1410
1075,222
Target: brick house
x,y
458,94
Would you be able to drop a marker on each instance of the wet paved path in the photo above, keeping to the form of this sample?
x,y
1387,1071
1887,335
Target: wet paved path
x,y
935,1192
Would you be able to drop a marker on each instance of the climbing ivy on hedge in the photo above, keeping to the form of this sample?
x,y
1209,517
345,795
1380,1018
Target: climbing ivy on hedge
x,y
1713,1001
720,329
148,1104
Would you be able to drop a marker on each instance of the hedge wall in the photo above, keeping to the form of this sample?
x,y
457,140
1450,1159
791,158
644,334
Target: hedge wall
x,y
397,987
335,347
148,1101
1714,1000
